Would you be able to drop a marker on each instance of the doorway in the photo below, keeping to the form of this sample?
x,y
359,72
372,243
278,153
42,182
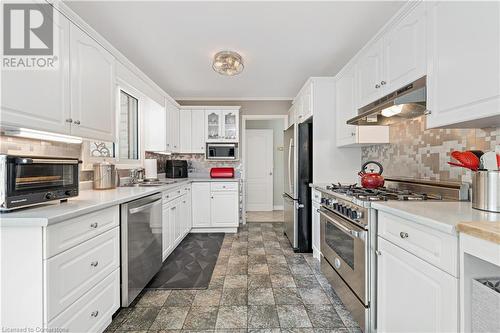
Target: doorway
x,y
263,167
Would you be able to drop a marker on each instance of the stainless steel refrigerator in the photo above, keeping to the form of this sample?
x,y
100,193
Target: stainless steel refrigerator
x,y
298,176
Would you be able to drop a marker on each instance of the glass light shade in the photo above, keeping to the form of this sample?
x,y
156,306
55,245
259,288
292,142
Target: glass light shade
x,y
228,63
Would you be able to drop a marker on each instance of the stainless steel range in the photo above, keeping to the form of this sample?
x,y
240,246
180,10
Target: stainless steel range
x,y
349,237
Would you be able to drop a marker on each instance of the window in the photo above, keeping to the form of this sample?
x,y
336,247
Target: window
x,y
128,127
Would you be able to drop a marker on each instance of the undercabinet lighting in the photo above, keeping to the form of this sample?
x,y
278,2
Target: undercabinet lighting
x,y
40,135
162,152
392,111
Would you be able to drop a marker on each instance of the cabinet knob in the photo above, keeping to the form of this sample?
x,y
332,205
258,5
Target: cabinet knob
x,y
426,112
94,225
377,86
383,83
377,252
353,134
69,120
403,234
94,314
77,122
94,263
212,197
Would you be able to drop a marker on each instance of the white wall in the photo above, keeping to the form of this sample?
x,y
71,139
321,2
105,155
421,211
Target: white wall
x,y
277,126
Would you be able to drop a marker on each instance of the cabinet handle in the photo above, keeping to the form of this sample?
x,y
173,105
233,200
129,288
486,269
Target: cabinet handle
x,y
94,314
403,234
427,112
377,86
77,122
69,120
353,134
94,225
94,263
383,83
377,252
317,210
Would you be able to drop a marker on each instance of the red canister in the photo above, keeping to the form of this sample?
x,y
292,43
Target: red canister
x,y
222,173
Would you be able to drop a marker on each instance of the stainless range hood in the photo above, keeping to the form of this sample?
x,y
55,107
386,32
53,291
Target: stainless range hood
x,y
405,103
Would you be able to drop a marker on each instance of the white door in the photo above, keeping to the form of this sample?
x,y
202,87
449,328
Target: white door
x,y
155,120
224,209
404,50
412,295
368,75
167,232
200,196
185,131
93,90
463,63
39,99
198,131
259,170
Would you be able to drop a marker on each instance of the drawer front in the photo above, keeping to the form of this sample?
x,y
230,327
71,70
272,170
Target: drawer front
x,y
435,247
74,272
223,186
316,196
93,311
65,235
172,194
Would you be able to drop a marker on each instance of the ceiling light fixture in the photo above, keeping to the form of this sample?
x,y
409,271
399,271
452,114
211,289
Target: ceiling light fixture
x,y
228,63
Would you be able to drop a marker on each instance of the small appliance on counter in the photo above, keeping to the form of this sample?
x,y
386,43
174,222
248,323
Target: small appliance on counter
x,y
222,173
35,180
151,171
176,169
105,176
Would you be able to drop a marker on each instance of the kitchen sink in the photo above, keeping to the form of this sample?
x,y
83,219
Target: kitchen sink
x,y
149,184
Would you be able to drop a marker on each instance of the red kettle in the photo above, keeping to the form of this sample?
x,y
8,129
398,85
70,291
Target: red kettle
x,y
371,179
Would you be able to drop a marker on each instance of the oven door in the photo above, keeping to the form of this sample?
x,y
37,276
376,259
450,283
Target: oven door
x,y
343,246
30,179
221,151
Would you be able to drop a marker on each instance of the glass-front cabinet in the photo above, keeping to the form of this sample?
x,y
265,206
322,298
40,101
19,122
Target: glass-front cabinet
x,y
222,125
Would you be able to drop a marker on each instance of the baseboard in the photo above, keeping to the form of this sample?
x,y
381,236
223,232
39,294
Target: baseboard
x,y
227,230
278,207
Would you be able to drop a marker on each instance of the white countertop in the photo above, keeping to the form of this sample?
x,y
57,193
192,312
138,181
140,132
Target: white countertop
x,y
440,215
88,201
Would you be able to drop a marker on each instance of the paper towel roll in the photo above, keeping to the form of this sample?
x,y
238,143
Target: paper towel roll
x,y
150,167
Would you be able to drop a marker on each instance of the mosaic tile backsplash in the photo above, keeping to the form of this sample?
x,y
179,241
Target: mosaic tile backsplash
x,y
416,152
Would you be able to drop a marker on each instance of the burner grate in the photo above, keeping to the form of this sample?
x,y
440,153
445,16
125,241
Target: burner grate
x,y
380,194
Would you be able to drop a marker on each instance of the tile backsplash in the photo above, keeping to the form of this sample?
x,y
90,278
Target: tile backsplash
x,y
31,147
197,165
421,153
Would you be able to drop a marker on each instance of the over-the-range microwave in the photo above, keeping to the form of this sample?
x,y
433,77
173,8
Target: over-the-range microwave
x,y
222,151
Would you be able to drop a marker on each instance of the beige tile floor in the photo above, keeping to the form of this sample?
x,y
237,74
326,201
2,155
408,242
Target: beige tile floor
x,y
270,216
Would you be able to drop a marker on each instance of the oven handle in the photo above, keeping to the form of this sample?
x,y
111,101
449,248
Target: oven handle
x,y
21,160
346,230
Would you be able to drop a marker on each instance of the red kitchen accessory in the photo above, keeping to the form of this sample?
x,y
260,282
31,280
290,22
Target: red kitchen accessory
x,y
371,179
467,159
222,173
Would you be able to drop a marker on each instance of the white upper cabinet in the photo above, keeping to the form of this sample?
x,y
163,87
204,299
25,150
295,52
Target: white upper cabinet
x,y
155,120
198,131
463,64
404,50
368,71
39,99
173,119
93,90
185,131
345,107
303,103
222,125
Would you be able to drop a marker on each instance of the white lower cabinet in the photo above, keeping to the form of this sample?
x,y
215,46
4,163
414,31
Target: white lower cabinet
x,y
316,230
65,276
201,204
215,205
412,295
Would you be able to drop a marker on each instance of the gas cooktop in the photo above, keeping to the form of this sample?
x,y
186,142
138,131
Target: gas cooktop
x,y
381,194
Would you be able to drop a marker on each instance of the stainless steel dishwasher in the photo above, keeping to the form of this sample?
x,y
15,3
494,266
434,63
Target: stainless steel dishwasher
x,y
141,244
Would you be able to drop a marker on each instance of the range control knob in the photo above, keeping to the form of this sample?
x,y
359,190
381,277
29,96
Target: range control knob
x,y
50,196
356,215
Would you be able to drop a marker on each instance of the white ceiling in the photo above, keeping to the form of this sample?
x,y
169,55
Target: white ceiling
x,y
282,43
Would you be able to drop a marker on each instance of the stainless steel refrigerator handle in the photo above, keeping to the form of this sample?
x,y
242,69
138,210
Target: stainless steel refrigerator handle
x,y
346,230
144,207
